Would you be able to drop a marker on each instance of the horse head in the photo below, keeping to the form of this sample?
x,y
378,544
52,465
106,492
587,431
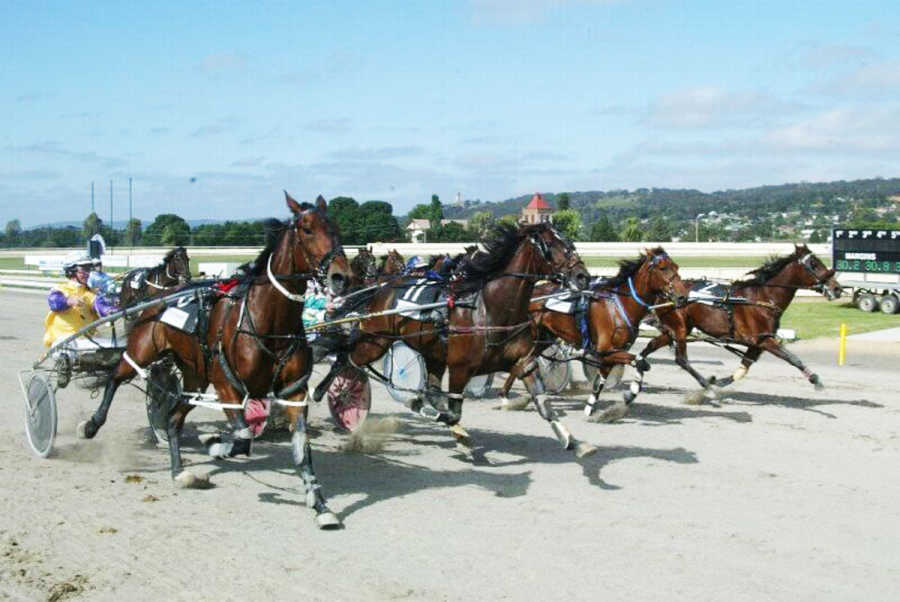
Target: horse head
x,y
393,263
815,275
658,277
178,265
317,245
364,266
559,255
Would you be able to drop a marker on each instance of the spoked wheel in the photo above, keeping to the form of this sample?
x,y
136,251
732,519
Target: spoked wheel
x,y
349,398
163,394
40,413
590,372
554,369
404,368
479,386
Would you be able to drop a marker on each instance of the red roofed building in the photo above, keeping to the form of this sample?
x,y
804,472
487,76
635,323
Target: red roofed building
x,y
536,211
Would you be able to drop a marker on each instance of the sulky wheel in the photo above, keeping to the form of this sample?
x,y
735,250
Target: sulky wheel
x,y
40,414
349,398
554,369
404,369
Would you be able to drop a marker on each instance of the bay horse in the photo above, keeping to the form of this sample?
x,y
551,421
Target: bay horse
x,y
487,326
608,326
391,264
749,315
364,267
143,283
252,347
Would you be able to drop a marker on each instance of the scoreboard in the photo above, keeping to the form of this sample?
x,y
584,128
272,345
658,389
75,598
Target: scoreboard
x,y
871,251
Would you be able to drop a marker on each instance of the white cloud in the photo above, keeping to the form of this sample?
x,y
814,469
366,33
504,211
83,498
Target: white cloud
x,y
710,107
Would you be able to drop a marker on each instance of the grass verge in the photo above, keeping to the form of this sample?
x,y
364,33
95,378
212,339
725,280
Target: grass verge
x,y
813,318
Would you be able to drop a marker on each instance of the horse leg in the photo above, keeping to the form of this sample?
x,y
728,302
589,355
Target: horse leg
x,y
597,386
535,387
434,367
121,373
302,452
524,366
774,347
239,442
750,356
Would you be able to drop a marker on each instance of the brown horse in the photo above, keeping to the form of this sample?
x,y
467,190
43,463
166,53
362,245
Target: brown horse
x,y
252,347
391,264
143,283
748,315
606,328
487,326
364,267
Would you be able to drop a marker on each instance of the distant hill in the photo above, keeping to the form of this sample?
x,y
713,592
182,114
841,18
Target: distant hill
x,y
685,204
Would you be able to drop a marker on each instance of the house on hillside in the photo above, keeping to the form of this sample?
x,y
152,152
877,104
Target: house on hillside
x,y
536,211
417,228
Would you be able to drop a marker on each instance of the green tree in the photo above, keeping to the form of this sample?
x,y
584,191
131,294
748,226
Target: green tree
x,y
175,233
568,222
132,232
563,201
480,222
632,231
13,232
377,223
92,225
816,236
153,233
602,230
510,220
420,211
437,212
449,232
344,211
658,231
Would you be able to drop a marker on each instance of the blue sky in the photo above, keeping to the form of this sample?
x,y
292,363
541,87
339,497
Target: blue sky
x,y
214,108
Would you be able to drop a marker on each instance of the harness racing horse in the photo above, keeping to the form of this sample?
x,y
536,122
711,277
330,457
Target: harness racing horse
x,y
391,264
607,327
253,346
487,327
364,268
748,315
143,283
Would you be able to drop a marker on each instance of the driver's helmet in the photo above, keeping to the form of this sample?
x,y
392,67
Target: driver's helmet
x,y
415,262
71,266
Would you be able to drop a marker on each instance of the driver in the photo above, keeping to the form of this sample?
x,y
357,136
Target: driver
x,y
71,303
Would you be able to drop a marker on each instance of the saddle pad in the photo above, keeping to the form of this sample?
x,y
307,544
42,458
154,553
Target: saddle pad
x,y
563,305
413,295
183,314
711,293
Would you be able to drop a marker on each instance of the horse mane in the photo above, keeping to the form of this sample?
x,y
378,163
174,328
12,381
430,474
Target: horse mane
x,y
768,270
171,254
629,267
273,229
500,244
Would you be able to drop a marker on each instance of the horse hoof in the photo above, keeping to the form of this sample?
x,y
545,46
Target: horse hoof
x,y
461,435
207,439
513,406
714,392
327,521
616,412
588,410
188,480
694,399
84,431
583,450
817,382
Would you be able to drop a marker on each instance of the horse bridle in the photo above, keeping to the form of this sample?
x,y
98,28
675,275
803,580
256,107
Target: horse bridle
x,y
319,274
819,285
669,291
570,258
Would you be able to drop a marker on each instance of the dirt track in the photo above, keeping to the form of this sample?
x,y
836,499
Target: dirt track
x,y
781,492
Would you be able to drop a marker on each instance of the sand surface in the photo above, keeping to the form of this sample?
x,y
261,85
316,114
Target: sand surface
x,y
779,492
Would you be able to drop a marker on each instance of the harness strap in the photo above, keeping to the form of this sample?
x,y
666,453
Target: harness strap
x,y
634,294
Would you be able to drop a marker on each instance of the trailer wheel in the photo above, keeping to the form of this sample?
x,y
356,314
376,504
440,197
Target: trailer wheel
x,y
867,302
889,304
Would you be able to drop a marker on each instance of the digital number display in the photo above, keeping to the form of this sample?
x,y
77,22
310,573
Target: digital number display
x,y
872,251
